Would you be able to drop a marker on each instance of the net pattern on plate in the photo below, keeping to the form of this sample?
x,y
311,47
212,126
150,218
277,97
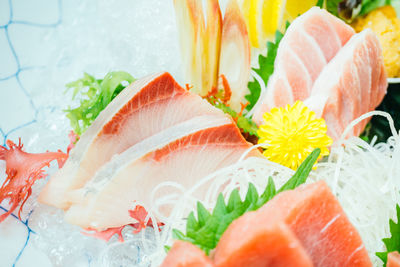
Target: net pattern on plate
x,y
4,134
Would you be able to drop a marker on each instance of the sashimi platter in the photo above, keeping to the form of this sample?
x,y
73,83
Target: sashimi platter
x,y
187,133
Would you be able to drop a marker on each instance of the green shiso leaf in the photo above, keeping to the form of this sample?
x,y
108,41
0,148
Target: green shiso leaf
x,y
205,229
370,5
333,6
265,70
320,3
393,242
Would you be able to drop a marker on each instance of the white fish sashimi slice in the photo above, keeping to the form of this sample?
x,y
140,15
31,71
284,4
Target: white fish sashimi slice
x,y
182,154
309,43
353,83
144,108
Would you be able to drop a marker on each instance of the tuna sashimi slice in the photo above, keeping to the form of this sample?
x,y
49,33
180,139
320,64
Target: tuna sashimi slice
x,y
353,83
143,109
315,216
185,254
180,154
309,43
249,241
393,259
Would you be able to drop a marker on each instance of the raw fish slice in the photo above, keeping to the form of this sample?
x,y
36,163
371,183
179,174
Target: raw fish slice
x,y
181,154
309,43
353,83
143,109
297,76
249,241
393,259
289,85
319,222
185,254
281,85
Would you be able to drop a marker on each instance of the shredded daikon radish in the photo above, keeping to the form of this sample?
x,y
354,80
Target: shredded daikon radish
x,y
364,177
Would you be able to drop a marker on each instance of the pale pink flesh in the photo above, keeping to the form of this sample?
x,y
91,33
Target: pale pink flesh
x,y
249,241
130,177
337,74
185,254
143,109
310,42
393,259
352,84
316,218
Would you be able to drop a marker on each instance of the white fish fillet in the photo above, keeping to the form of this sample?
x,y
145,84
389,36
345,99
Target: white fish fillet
x,y
143,109
183,153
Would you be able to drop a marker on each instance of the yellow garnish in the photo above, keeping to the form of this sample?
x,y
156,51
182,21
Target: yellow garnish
x,y
250,11
292,133
264,17
384,22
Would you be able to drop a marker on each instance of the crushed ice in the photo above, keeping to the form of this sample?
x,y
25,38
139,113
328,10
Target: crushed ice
x,y
96,37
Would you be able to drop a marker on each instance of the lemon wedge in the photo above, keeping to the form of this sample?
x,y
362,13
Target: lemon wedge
x,y
294,8
251,13
272,16
264,17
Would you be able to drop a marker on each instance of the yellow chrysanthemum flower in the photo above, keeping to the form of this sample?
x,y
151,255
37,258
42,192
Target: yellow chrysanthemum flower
x,y
292,133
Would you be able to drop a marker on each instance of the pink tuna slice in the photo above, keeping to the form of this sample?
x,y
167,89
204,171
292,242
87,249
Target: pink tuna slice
x,y
353,83
310,42
393,259
146,107
181,154
317,219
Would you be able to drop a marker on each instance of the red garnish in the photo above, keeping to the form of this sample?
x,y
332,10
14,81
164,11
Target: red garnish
x,y
243,106
106,234
188,87
227,89
73,138
139,214
212,94
23,170
220,95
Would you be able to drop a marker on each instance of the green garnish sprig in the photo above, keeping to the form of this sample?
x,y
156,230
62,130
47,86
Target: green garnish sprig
x,y
245,124
95,95
392,243
349,10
